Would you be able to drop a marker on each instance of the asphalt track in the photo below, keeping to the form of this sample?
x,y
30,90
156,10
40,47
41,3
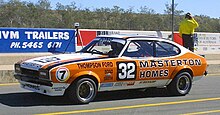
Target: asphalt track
x,y
204,98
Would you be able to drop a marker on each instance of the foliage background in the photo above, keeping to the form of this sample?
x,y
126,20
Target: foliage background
x,y
15,13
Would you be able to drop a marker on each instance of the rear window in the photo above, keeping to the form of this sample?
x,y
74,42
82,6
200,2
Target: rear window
x,y
164,49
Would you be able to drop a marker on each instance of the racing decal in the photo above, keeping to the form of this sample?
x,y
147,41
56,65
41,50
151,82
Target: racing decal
x,y
146,82
108,75
120,84
49,59
154,73
82,65
167,63
95,65
158,67
30,65
58,88
89,65
130,83
107,64
62,74
106,85
126,70
35,87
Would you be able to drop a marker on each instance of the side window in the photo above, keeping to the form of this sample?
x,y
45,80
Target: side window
x,y
104,48
139,49
164,49
133,47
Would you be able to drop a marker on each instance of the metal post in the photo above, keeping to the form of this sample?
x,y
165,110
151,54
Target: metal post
x,y
172,20
78,33
76,25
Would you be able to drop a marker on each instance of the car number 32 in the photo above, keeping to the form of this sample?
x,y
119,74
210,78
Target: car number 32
x,y
126,70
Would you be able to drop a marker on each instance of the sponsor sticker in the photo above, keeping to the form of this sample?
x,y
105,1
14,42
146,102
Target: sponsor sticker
x,y
108,75
130,83
30,65
120,84
106,85
32,86
95,65
58,88
146,82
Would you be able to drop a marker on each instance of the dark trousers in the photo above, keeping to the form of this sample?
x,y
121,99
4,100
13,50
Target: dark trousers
x,y
188,42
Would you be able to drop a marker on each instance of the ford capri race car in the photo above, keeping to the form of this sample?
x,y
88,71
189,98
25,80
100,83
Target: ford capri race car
x,y
110,63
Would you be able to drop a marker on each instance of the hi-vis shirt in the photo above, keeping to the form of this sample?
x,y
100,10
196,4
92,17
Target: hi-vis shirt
x,y
187,26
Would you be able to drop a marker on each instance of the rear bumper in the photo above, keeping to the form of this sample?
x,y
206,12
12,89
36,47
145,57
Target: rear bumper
x,y
196,78
206,72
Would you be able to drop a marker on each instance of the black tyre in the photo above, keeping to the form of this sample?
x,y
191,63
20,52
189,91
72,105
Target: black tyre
x,y
181,84
82,91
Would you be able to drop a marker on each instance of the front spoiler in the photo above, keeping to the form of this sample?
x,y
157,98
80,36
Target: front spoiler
x,y
57,89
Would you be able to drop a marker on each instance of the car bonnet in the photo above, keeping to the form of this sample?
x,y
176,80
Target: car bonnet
x,y
55,60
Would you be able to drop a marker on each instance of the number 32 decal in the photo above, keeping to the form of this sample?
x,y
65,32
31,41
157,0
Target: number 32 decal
x,y
126,70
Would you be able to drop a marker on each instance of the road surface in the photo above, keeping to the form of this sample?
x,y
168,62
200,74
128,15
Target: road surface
x,y
204,98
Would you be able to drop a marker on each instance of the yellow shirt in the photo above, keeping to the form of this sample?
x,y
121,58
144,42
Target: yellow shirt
x,y
187,26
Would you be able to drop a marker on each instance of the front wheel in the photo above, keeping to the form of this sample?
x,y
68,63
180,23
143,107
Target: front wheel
x,y
181,84
82,91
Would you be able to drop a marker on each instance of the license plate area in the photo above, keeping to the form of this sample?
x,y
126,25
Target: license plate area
x,y
32,86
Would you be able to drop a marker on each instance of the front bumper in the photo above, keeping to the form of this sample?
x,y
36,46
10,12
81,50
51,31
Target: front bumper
x,y
41,86
57,89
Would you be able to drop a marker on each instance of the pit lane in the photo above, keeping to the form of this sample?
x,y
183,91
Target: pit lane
x,y
204,98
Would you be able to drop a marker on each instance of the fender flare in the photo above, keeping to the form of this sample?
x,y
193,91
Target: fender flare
x,y
181,68
84,73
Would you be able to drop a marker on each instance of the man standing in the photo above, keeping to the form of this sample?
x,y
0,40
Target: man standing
x,y
186,30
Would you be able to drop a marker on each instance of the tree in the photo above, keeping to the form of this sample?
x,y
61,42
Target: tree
x,y
177,16
15,13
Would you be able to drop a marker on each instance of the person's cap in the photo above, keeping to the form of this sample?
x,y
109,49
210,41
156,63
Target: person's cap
x,y
188,14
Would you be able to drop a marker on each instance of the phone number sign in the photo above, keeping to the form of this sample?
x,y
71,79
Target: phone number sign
x,y
14,40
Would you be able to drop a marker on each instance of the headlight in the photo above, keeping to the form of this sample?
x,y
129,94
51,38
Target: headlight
x,y
17,68
43,74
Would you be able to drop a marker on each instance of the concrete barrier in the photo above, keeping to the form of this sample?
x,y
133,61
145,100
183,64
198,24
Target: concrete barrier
x,y
7,61
7,76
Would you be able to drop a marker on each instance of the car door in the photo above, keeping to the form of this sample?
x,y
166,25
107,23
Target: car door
x,y
154,63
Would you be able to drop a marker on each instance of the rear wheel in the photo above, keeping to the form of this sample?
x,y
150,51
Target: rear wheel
x,y
82,91
181,84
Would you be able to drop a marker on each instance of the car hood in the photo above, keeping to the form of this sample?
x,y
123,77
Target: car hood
x,y
50,61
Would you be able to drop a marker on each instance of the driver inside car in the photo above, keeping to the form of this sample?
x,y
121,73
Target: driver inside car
x,y
115,49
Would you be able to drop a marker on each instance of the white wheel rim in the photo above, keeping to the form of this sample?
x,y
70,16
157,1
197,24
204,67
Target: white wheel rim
x,y
85,91
183,84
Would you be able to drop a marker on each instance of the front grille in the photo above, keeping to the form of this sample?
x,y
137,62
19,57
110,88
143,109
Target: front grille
x,y
28,72
32,76
34,80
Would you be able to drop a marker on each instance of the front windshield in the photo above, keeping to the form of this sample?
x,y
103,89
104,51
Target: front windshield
x,y
105,46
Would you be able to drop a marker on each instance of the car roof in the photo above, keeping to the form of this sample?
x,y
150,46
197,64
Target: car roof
x,y
138,37
126,36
